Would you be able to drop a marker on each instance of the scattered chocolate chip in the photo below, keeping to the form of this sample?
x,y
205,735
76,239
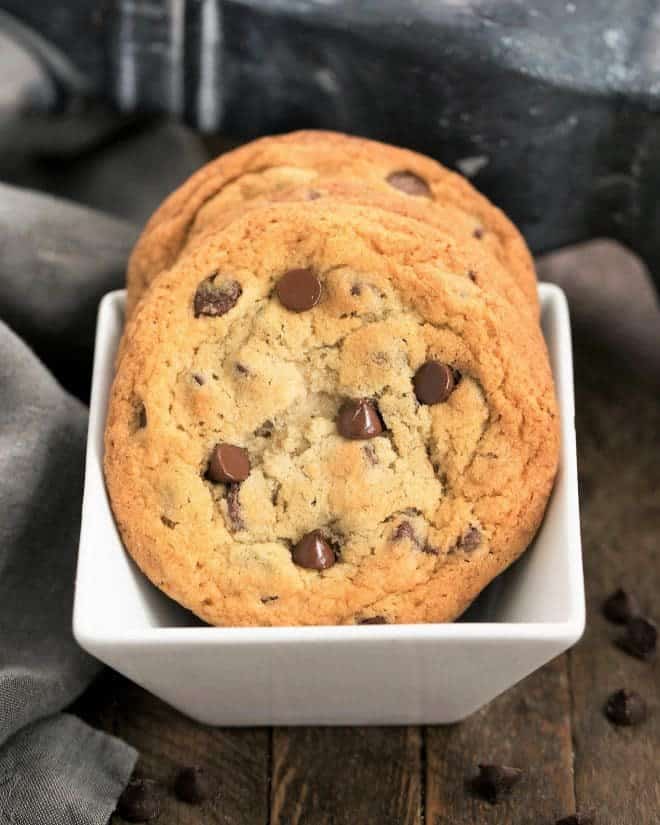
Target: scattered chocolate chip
x,y
140,801
472,275
192,785
405,531
198,378
409,183
168,522
470,540
214,299
266,599
430,550
139,417
579,818
373,620
265,430
620,606
299,289
241,369
478,233
356,289
370,453
625,707
640,638
434,382
359,419
234,507
496,781
228,463
313,552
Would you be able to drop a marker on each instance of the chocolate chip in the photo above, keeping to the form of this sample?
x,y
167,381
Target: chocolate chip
x,y
370,453
313,552
265,430
228,463
579,818
299,289
234,507
470,540
472,275
434,382
359,419
198,378
405,531
140,801
192,785
625,707
168,522
409,183
496,781
430,550
640,638
478,233
213,298
139,418
620,606
241,369
356,289
373,620
266,599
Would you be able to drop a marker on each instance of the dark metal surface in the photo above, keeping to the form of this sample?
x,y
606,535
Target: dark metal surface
x,y
552,108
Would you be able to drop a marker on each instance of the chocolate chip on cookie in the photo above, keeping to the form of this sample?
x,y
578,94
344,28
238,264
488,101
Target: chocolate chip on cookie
x,y
373,620
234,508
228,464
215,297
313,552
409,183
359,419
470,540
299,290
434,382
405,531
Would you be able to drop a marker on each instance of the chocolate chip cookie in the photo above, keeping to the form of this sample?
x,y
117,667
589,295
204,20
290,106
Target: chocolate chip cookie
x,y
258,170
317,420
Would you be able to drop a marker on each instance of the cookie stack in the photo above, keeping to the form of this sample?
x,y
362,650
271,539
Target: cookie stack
x,y
333,402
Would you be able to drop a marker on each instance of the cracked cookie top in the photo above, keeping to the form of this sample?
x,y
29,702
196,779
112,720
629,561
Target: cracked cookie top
x,y
315,420
260,170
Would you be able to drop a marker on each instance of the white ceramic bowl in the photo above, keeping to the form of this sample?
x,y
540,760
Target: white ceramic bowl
x,y
358,674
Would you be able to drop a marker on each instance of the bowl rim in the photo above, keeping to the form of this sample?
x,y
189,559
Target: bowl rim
x,y
91,637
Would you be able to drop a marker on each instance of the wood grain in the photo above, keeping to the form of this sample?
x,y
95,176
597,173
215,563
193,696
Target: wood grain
x,y
529,728
237,760
346,776
618,420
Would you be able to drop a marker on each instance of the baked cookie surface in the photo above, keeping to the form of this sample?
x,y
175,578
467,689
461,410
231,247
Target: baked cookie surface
x,y
260,169
316,420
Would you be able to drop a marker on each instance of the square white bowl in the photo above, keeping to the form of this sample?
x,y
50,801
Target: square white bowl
x,y
358,674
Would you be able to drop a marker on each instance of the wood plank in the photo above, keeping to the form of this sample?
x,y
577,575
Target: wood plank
x,y
618,424
527,727
346,776
237,760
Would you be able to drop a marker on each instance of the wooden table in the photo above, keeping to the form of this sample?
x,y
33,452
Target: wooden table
x,y
552,724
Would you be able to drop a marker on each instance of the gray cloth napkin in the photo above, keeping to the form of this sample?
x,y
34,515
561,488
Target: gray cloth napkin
x,y
57,260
